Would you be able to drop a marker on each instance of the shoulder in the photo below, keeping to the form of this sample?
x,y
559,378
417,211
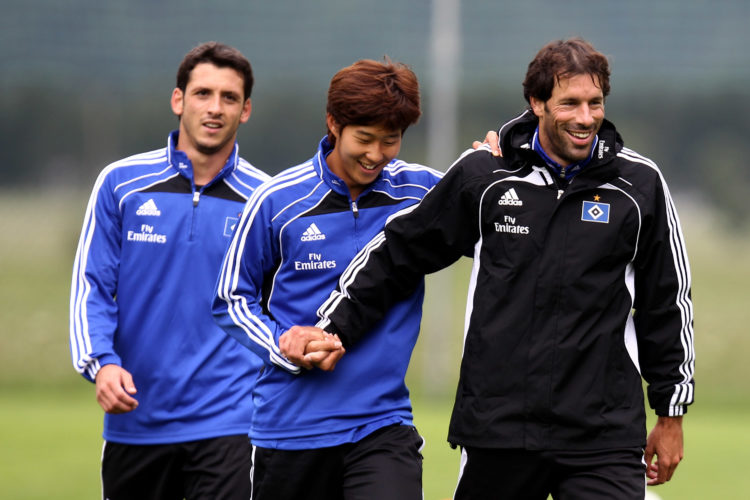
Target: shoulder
x,y
298,176
288,184
244,179
640,177
139,168
150,160
399,172
250,173
636,168
476,165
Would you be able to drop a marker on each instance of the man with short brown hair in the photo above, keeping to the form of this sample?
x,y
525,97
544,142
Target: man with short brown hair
x,y
175,389
580,289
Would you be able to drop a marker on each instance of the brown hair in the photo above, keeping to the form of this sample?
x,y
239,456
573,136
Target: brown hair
x,y
561,59
220,55
371,92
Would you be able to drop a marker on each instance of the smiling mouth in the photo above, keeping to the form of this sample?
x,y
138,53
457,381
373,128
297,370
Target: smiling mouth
x,y
367,166
579,134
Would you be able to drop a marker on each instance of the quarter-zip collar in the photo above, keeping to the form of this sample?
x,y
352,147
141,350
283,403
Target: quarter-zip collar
x,y
180,161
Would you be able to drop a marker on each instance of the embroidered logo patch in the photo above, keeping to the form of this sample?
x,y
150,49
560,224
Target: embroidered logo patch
x,y
229,226
595,211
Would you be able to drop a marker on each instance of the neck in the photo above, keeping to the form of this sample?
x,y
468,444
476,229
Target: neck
x,y
566,170
206,166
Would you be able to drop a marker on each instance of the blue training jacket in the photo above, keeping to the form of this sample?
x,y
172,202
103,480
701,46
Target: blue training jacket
x,y
297,234
150,249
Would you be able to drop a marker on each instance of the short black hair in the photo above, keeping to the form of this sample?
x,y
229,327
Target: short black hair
x,y
221,56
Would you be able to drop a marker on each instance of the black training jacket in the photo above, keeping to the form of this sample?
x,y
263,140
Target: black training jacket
x,y
577,291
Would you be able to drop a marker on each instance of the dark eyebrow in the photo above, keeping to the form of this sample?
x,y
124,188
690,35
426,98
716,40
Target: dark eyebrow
x,y
368,135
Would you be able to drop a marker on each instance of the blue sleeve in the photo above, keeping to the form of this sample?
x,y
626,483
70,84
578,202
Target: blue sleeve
x,y
93,308
237,307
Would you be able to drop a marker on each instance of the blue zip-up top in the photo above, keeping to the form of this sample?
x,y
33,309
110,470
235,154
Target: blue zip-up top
x,y
150,249
297,234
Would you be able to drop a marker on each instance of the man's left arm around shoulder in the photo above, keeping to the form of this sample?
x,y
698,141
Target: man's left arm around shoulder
x,y
311,347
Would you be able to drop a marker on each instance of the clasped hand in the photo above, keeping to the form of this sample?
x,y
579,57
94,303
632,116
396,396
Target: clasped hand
x,y
311,347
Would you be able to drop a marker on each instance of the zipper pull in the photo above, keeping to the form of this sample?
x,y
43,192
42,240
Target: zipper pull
x,y
355,210
559,193
196,198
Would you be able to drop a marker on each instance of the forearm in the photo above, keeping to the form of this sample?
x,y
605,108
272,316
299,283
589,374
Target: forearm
x,y
256,332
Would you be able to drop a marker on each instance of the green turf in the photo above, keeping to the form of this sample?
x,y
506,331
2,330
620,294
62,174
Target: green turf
x,y
51,444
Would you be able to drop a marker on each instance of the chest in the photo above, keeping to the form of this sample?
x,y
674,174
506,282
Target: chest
x,y
521,221
153,222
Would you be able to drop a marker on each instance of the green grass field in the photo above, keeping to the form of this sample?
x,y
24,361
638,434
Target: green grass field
x,y
50,424
51,446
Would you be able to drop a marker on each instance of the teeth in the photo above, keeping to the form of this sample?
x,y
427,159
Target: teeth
x,y
368,167
580,135
213,125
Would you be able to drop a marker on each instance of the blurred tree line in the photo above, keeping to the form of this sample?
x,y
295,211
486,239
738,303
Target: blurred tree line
x,y
85,83
58,138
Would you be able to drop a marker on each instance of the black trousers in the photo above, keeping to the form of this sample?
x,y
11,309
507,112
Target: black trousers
x,y
387,464
208,469
490,474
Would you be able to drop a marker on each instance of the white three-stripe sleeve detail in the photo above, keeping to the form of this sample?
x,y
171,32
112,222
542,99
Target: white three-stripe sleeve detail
x,y
229,279
80,338
683,391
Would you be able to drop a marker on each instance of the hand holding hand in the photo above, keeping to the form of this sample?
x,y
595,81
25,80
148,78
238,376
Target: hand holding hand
x,y
317,353
309,347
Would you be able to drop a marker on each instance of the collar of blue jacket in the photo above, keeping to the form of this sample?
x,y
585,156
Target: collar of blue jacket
x,y
179,159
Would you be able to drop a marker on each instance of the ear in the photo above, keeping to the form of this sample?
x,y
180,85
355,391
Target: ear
x,y
537,106
176,101
247,108
332,125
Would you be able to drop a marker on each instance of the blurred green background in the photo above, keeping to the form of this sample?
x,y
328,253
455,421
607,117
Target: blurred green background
x,y
85,83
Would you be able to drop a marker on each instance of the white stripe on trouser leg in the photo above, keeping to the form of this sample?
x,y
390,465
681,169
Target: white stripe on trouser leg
x,y
461,467
101,468
252,471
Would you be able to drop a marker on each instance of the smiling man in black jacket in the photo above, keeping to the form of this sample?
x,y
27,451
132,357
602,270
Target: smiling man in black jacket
x,y
580,289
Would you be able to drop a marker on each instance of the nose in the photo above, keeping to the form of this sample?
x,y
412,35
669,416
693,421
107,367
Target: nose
x,y
585,115
214,105
375,153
